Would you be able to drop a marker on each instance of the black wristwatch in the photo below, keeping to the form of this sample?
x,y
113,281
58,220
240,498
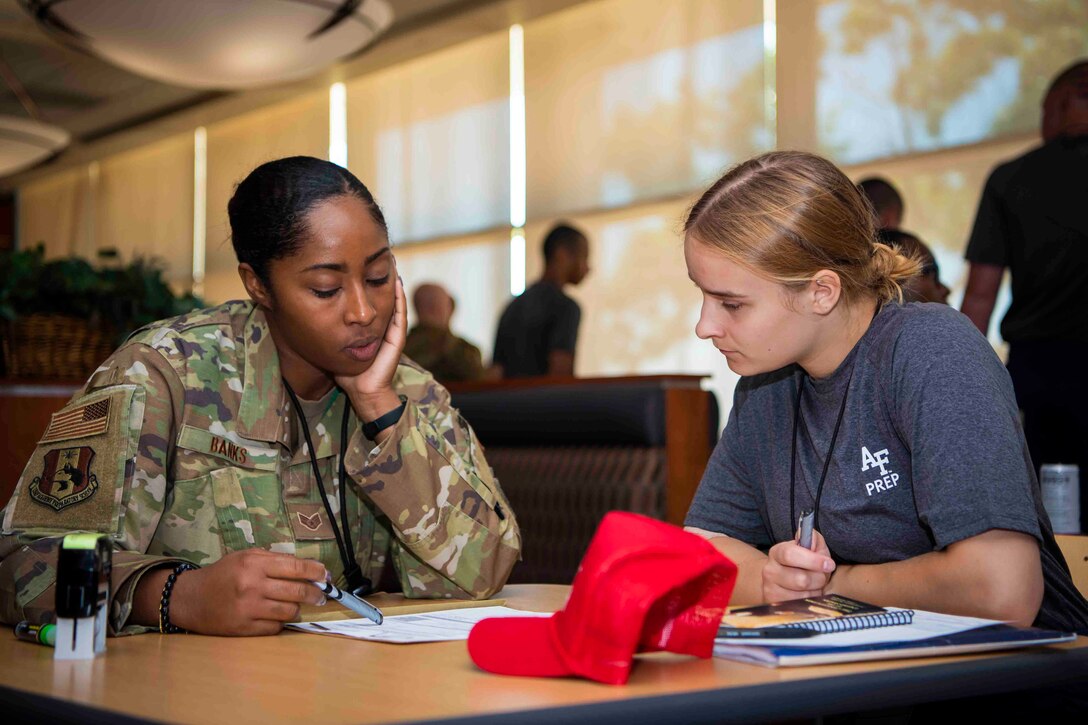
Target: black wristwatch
x,y
376,426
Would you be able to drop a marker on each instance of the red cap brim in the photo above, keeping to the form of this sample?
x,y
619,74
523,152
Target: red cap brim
x,y
517,646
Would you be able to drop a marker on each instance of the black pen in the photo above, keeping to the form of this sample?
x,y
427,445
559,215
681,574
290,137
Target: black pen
x,y
766,633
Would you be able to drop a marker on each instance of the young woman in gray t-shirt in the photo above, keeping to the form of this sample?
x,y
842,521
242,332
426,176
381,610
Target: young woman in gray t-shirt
x,y
896,425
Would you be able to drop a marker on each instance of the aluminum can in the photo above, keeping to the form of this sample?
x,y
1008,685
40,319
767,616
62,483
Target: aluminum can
x,y
1061,496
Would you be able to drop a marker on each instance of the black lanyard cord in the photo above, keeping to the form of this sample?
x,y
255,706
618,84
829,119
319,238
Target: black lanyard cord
x,y
830,449
354,575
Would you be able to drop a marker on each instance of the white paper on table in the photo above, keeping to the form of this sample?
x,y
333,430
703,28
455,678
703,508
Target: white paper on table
x,y
443,626
924,625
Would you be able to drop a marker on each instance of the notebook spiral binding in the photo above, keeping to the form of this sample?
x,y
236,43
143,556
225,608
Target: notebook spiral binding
x,y
854,622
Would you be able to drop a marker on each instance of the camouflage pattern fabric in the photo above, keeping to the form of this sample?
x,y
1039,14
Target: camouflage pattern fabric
x,y
448,357
184,446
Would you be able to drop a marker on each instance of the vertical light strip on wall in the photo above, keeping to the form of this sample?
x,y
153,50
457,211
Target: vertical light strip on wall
x,y
517,261
517,160
338,125
200,207
90,210
770,55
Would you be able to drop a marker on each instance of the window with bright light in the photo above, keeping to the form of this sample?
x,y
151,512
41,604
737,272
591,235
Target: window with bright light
x,y
899,77
430,138
633,100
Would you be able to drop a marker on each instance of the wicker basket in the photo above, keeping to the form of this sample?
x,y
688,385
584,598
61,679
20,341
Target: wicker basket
x,y
54,346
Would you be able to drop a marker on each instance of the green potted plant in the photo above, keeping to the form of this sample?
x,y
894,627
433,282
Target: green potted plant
x,y
61,318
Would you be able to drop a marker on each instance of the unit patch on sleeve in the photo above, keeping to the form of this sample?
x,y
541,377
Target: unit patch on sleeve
x,y
66,478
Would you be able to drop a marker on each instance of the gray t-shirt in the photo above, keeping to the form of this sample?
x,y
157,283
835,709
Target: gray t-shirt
x,y
930,452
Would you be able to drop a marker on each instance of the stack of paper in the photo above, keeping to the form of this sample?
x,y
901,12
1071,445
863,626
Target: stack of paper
x,y
445,626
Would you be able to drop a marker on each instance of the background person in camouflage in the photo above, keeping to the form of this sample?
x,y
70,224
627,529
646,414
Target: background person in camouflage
x,y
196,454
431,342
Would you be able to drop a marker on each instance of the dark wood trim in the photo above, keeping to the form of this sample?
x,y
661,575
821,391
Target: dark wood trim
x,y
667,380
687,448
25,409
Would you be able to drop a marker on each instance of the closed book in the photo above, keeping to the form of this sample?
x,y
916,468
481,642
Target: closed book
x,y
981,639
824,614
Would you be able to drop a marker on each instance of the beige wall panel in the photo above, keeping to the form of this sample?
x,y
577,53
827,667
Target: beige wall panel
x,y
236,147
632,100
144,203
431,139
57,211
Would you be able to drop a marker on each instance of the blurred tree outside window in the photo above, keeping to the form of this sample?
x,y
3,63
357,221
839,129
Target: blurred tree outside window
x,y
902,76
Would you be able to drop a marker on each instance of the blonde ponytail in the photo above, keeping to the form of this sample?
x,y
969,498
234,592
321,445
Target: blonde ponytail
x,y
889,269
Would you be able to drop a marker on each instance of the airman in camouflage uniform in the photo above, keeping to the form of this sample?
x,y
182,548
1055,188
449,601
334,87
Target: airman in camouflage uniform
x,y
448,357
184,446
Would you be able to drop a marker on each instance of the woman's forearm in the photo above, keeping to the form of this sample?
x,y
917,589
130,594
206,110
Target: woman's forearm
x,y
996,575
749,561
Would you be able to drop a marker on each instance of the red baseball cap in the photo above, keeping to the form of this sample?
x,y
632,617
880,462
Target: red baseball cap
x,y
643,586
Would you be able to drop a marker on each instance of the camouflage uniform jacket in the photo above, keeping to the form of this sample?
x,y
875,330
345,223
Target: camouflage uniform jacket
x,y
446,356
181,447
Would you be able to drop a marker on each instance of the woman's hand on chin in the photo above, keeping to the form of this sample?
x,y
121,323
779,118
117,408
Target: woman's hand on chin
x,y
371,391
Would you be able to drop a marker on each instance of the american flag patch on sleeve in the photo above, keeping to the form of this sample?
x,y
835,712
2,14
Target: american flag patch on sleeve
x,y
83,420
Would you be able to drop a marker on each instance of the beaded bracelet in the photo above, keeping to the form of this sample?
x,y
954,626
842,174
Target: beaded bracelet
x,y
164,604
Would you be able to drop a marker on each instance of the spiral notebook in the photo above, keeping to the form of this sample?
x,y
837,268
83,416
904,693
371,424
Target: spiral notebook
x,y
824,614
929,635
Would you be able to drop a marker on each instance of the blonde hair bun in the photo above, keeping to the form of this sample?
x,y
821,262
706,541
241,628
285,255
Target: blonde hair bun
x,y
889,270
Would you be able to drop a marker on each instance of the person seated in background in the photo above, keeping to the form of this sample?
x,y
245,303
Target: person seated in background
x,y
887,202
538,330
431,342
216,440
896,424
927,286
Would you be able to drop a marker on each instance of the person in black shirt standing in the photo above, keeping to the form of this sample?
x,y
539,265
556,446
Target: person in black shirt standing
x,y
1032,219
538,330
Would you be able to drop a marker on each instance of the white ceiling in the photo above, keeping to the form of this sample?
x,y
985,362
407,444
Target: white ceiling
x,y
91,98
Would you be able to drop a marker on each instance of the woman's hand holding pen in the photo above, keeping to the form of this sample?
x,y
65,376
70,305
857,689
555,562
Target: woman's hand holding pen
x,y
793,572
251,592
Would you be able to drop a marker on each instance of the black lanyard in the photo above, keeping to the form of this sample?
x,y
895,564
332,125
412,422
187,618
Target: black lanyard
x,y
830,449
357,583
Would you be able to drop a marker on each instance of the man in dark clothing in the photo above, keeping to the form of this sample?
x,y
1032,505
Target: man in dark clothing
x,y
1033,220
539,328
431,342
886,201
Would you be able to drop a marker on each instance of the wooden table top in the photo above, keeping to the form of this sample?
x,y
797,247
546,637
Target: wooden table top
x,y
298,677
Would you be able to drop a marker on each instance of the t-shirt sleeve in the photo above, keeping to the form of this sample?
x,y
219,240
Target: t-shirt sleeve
x,y
956,410
989,236
729,500
563,335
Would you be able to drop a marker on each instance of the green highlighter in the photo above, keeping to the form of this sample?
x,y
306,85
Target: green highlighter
x,y
84,565
37,633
